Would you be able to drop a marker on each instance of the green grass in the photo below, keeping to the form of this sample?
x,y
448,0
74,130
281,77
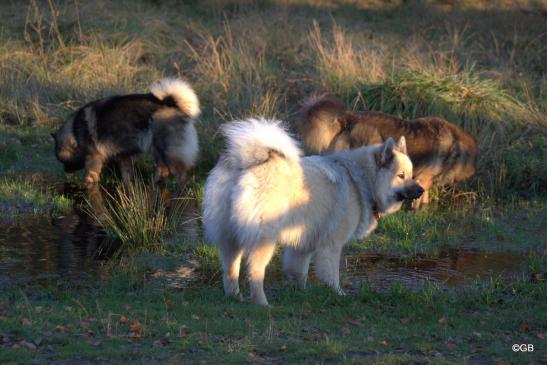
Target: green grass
x,y
27,150
513,227
397,325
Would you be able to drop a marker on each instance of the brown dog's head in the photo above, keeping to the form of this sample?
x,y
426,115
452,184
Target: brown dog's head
x,y
67,150
394,182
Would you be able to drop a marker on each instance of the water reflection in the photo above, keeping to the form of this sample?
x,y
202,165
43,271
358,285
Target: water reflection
x,y
452,268
67,247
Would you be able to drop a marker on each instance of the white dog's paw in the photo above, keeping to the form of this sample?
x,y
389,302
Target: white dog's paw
x,y
234,294
260,300
340,292
298,280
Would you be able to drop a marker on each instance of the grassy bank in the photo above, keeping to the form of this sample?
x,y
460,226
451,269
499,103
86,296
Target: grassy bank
x,y
31,197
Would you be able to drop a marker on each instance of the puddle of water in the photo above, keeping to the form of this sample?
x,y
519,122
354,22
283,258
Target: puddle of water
x,y
451,269
65,249
70,249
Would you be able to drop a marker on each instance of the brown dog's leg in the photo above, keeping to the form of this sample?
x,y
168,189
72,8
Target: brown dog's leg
x,y
425,181
96,199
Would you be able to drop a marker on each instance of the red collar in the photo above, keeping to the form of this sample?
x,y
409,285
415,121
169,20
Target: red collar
x,y
376,215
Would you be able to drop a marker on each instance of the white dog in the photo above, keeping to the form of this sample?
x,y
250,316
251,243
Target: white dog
x,y
261,192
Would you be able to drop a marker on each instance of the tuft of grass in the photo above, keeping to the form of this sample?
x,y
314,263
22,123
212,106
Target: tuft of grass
x,y
238,76
408,233
461,95
537,263
138,216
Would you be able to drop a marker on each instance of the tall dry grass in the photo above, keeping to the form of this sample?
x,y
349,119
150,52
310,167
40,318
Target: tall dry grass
x,y
477,65
46,71
239,81
344,68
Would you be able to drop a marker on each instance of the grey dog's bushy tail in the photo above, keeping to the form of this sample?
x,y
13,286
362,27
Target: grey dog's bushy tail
x,y
182,93
250,142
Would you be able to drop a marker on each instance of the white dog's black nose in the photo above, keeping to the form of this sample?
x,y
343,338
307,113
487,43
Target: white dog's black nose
x,y
419,192
410,192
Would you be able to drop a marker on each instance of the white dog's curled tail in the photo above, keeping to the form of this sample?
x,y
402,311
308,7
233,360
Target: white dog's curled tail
x,y
182,93
250,142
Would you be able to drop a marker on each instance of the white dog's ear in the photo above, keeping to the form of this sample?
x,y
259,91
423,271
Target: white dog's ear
x,y
401,145
386,155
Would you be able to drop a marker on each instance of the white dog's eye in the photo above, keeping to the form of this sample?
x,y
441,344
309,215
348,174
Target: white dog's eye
x,y
401,175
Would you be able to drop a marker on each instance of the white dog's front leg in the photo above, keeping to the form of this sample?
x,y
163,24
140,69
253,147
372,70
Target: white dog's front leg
x,y
296,265
327,267
258,259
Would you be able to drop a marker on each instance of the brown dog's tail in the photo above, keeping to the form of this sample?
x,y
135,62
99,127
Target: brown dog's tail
x,y
319,120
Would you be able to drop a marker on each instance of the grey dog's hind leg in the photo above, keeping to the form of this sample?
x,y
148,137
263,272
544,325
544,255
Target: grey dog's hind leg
x,y
327,266
126,169
259,257
231,261
296,265
162,171
178,168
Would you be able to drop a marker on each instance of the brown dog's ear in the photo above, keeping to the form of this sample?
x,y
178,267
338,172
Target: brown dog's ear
x,y
386,155
401,145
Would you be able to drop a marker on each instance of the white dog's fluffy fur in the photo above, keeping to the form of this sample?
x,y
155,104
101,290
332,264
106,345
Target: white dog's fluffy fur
x,y
261,192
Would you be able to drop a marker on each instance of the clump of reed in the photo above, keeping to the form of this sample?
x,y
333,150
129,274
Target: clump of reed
x,y
140,216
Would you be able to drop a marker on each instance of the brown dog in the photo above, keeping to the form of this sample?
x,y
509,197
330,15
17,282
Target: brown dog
x,y
441,152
